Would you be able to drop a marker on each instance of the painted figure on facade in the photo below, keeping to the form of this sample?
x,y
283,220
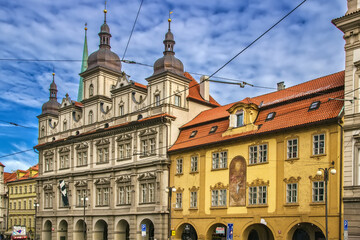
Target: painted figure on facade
x,y
237,182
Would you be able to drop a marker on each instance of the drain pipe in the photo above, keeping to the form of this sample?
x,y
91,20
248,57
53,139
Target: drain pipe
x,y
341,175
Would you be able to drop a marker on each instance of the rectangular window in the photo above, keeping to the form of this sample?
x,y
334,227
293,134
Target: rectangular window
x,y
128,195
121,191
147,191
193,199
121,110
292,148
102,196
64,161
106,196
179,166
178,200
128,150
177,100
30,189
258,195
240,119
82,158
103,155
291,193
319,144
25,189
25,204
318,191
219,160
258,154
218,198
48,164
194,164
152,146
48,200
81,193
121,151
30,204
144,147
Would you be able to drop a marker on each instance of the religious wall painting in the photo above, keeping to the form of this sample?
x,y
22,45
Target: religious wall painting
x,y
237,182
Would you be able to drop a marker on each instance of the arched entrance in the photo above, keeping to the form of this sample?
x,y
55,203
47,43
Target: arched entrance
x,y
216,232
80,231
63,230
47,230
150,231
101,230
122,231
186,232
257,232
305,231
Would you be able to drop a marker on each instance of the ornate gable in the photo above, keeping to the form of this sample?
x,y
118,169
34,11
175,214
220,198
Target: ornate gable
x,y
219,185
258,182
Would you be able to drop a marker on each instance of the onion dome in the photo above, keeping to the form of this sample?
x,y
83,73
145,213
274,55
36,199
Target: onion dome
x,y
104,57
52,106
169,62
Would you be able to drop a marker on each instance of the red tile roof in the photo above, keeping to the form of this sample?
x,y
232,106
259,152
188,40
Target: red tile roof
x,y
292,112
10,177
194,92
140,85
2,165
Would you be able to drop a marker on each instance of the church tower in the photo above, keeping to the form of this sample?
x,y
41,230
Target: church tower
x,y
84,66
350,26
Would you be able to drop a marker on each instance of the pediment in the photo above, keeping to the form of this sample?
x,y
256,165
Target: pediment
x,y
124,137
123,179
102,142
147,132
102,181
48,153
82,145
48,187
146,176
258,182
64,150
81,183
219,185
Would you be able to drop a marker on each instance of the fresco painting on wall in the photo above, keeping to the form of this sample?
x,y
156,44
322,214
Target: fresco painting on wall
x,y
237,182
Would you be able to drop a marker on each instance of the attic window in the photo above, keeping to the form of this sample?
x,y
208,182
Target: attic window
x,y
213,129
270,116
314,105
193,134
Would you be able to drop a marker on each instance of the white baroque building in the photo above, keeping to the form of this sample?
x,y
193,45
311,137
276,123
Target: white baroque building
x,y
111,148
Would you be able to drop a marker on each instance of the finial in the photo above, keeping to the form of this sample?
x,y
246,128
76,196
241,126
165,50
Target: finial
x,y
169,20
85,27
105,11
53,76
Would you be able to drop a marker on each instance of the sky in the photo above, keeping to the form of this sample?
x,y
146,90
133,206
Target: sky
x,y
305,46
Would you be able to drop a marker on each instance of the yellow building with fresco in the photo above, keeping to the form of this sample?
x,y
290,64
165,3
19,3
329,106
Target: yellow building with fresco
x,y
254,164
22,196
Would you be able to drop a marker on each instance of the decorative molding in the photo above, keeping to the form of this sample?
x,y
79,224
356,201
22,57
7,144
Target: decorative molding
x,y
146,176
102,142
179,190
48,187
194,189
64,150
66,185
219,185
48,153
292,180
147,132
258,182
124,137
82,145
81,183
102,181
123,179
316,178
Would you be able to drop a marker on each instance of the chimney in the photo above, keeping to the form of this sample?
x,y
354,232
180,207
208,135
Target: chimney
x,y
280,86
204,88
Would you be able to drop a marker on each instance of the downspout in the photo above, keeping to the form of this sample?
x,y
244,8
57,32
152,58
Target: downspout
x,y
341,171
168,197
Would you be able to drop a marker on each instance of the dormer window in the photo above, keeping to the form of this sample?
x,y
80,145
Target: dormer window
x,y
239,118
270,116
193,134
90,117
91,90
314,105
213,129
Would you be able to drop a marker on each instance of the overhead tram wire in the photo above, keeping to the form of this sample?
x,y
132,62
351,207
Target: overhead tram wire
x,y
11,154
132,30
15,124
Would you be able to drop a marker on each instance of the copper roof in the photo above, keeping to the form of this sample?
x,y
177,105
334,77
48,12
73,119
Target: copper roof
x,y
291,106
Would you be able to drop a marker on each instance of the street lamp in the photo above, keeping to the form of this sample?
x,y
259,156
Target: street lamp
x,y
326,179
84,199
170,190
36,205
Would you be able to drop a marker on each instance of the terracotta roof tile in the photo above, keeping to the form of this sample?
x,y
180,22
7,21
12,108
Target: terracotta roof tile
x,y
2,165
288,114
140,85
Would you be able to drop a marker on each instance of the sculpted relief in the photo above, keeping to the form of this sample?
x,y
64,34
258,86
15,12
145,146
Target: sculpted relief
x,y
237,182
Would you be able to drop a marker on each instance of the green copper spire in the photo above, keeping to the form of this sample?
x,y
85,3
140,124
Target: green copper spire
x,y
84,66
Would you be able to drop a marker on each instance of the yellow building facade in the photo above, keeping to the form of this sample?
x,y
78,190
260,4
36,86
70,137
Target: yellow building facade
x,y
257,171
22,197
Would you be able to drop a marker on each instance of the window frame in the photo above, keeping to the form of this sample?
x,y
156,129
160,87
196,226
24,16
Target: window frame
x,y
316,195
258,195
220,160
290,148
318,143
256,154
292,193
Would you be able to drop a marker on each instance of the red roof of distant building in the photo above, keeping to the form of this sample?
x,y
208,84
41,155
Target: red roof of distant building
x,y
140,85
2,165
290,105
194,91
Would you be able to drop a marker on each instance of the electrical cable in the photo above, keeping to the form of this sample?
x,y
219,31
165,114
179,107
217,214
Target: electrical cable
x,y
15,124
11,154
132,30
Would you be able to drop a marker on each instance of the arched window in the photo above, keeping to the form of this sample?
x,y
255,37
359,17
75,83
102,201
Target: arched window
x,y
91,90
64,125
91,117
42,132
121,110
